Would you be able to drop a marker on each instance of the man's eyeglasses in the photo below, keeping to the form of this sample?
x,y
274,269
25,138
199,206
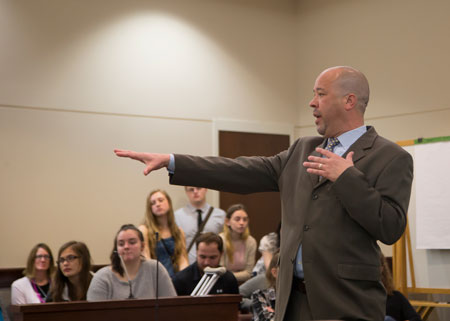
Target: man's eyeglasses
x,y
42,256
68,258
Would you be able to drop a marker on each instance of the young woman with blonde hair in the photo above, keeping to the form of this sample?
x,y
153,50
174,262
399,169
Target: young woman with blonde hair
x,y
169,247
240,246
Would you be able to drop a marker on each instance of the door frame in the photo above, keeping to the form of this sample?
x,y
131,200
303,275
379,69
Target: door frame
x,y
245,126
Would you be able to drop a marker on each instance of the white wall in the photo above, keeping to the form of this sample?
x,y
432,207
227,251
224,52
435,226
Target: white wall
x,y
182,59
80,78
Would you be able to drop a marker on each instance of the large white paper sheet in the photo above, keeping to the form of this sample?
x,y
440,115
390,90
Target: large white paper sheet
x,y
432,176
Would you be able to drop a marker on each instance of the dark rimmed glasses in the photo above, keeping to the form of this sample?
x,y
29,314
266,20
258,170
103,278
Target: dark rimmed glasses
x,y
68,258
42,256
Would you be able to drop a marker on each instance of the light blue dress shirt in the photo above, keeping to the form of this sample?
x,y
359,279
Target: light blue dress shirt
x,y
345,141
171,166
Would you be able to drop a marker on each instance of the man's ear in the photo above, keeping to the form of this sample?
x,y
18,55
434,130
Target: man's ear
x,y
350,101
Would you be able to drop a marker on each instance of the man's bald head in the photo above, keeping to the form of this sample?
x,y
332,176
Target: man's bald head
x,y
350,80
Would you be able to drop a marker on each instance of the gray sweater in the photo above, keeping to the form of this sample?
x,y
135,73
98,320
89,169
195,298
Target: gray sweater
x,y
106,286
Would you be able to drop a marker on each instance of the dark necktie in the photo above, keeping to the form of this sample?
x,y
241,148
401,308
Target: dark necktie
x,y
199,218
332,142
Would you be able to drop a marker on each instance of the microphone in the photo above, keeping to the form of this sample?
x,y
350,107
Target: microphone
x,y
157,274
126,273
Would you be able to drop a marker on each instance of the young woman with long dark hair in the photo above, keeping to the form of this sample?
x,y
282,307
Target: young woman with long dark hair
x,y
130,275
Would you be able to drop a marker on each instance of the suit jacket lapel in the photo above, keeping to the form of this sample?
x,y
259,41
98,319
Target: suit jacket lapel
x,y
364,143
315,178
359,148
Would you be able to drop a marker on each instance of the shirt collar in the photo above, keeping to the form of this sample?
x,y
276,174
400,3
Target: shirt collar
x,y
348,138
193,209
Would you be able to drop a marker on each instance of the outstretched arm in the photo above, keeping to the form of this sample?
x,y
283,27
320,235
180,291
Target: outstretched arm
x,y
152,161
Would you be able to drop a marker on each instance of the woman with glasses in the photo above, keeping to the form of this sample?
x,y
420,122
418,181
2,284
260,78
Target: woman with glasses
x,y
73,275
130,275
34,286
169,247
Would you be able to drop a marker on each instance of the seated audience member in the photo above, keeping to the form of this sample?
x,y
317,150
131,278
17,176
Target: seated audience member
x,y
269,244
73,274
246,289
209,250
240,246
130,275
35,285
196,214
170,247
263,301
397,306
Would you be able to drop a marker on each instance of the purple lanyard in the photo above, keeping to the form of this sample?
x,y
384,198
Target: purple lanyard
x,y
38,293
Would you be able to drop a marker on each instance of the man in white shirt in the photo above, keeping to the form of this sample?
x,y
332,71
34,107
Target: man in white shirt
x,y
191,216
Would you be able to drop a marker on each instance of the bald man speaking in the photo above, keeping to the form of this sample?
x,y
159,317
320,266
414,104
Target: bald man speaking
x,y
341,192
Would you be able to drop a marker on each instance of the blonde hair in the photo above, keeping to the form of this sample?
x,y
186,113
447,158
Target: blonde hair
x,y
152,225
229,248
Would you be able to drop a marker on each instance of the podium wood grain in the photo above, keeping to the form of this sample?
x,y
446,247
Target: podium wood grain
x,y
184,308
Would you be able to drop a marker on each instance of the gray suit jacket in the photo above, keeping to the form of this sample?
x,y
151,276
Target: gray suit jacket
x,y
337,223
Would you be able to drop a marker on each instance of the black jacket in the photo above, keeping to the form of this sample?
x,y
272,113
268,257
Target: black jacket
x,y
186,280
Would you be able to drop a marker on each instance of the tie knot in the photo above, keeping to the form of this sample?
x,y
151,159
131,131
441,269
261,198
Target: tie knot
x,y
332,142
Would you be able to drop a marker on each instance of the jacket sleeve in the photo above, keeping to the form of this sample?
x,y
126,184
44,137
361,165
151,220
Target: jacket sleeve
x,y
17,294
166,287
381,208
241,175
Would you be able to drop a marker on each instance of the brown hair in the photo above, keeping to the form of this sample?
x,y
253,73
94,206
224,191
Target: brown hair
x,y
30,270
152,225
60,281
115,258
209,238
386,276
273,264
229,249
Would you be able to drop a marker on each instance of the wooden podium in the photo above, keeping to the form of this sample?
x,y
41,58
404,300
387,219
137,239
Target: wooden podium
x,y
185,308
